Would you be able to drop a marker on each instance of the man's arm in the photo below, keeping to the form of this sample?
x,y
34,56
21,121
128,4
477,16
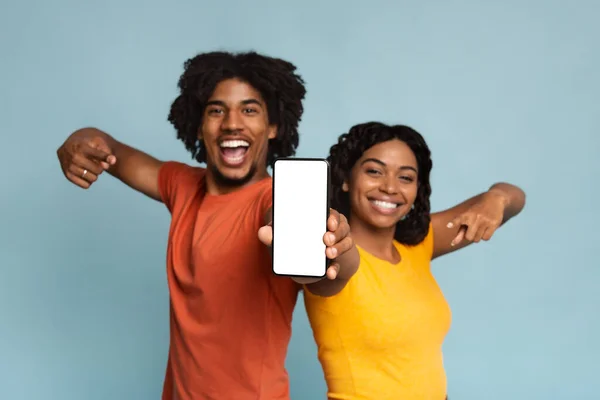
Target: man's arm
x,y
88,152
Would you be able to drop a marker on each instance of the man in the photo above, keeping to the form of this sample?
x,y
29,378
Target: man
x,y
230,317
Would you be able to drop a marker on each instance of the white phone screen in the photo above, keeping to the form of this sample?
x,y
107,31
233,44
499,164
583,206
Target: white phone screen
x,y
300,211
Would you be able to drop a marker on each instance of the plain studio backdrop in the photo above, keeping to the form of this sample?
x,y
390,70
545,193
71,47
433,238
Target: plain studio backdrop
x,y
502,91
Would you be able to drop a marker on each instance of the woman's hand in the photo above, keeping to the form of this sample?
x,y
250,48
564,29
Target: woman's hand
x,y
340,248
482,219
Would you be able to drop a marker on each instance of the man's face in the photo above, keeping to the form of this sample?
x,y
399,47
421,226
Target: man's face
x,y
236,132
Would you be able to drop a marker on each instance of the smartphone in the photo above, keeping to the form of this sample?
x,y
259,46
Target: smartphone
x,y
300,212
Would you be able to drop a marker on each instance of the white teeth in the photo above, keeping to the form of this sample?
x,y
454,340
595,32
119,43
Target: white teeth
x,y
384,204
235,143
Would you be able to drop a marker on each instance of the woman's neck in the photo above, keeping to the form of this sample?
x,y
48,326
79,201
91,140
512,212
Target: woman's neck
x,y
378,242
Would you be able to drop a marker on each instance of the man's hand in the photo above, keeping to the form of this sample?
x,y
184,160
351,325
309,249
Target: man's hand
x,y
85,155
337,240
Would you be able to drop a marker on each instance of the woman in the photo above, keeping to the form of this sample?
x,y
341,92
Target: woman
x,y
381,337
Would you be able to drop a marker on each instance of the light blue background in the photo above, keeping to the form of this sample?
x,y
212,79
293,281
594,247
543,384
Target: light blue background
x,y
502,91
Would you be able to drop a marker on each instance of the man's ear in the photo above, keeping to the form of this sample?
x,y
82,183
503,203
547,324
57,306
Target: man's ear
x,y
272,131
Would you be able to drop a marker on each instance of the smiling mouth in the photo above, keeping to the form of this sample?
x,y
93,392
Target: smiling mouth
x,y
384,207
234,152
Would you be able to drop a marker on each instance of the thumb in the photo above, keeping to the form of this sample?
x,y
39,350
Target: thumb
x,y
265,235
460,236
461,223
100,144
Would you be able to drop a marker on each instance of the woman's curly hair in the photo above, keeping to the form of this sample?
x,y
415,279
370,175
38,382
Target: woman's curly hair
x,y
282,89
350,148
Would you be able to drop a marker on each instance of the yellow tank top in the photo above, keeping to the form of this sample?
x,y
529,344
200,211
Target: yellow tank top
x,y
381,337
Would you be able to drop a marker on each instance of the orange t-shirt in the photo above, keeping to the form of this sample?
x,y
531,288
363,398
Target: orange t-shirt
x,y
230,316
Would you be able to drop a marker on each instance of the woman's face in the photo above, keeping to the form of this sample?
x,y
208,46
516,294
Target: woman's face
x,y
383,184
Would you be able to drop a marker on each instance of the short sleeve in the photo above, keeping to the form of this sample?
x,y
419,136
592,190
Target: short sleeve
x,y
428,242
177,180
265,202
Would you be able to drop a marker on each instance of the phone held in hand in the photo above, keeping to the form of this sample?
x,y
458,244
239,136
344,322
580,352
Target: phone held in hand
x,y
300,212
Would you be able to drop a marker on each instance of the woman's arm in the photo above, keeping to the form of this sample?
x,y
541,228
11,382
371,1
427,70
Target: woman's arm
x,y
476,218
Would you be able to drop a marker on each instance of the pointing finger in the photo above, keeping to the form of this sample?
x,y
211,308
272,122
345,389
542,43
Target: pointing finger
x,y
472,231
459,237
98,154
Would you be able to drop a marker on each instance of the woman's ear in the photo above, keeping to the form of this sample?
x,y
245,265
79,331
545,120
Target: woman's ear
x,y
345,187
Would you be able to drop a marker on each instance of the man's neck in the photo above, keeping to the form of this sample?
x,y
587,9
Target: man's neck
x,y
215,187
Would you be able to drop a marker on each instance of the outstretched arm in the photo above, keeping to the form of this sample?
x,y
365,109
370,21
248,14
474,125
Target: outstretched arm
x,y
88,152
475,219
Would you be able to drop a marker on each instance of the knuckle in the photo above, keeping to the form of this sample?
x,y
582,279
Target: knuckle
x,y
77,158
348,246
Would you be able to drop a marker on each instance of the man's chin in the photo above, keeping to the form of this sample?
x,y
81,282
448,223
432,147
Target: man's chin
x,y
229,177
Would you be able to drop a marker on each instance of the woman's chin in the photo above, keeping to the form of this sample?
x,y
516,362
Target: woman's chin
x,y
383,226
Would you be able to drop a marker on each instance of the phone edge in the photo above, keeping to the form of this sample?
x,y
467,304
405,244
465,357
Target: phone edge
x,y
328,208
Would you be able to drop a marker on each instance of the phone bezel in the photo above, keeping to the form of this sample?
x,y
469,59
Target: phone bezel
x,y
327,205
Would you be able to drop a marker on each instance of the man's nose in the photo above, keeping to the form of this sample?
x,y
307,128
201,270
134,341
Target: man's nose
x,y
232,121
